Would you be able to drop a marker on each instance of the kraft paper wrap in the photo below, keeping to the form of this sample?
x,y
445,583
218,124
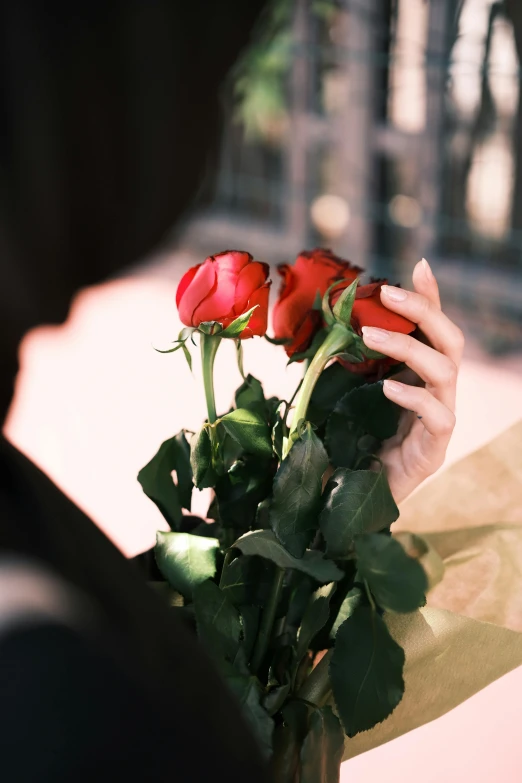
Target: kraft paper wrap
x,y
470,632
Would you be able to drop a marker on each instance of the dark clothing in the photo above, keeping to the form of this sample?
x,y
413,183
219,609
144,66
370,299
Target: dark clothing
x,y
134,698
108,116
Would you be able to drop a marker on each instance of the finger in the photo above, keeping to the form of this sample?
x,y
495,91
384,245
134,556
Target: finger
x,y
442,333
438,371
425,283
437,420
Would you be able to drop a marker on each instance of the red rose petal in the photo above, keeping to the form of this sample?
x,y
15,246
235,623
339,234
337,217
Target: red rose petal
x,y
364,291
371,312
232,260
198,288
184,283
259,319
304,334
219,303
313,272
251,277
288,282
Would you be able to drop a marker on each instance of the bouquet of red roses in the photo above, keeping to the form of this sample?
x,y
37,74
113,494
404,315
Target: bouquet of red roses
x,y
287,580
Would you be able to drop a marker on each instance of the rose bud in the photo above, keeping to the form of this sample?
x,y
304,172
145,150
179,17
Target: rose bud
x,y
294,318
368,310
224,287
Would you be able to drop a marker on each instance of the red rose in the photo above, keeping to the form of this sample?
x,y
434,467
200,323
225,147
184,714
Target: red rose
x,y
368,310
293,317
222,288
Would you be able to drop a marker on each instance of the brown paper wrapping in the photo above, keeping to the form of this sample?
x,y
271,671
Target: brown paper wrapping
x,y
484,488
470,633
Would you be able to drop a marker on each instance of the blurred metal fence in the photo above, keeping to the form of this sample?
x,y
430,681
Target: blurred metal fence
x,y
388,130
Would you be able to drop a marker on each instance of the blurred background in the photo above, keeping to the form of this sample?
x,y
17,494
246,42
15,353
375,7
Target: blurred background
x,y
387,130
390,130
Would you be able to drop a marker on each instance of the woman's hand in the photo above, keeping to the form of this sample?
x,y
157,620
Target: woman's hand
x,y
419,447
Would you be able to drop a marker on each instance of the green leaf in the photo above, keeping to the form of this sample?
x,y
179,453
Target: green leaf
x,y
248,692
282,661
262,520
250,430
352,600
361,420
365,671
367,353
274,699
331,385
318,301
247,580
201,459
236,327
185,560
207,529
187,355
250,621
349,357
315,616
374,413
310,352
250,394
178,345
265,544
239,357
323,748
343,307
297,493
230,452
421,549
324,304
357,501
278,340
397,581
210,327
180,342
157,483
279,430
218,623
238,500
341,436
301,586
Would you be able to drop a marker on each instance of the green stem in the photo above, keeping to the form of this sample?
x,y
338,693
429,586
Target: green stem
x,y
369,594
267,621
335,341
317,688
226,562
209,345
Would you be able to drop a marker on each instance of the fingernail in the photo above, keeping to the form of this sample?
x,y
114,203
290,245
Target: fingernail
x,y
393,293
394,386
375,334
427,269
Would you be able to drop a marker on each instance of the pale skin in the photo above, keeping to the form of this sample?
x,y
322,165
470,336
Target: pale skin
x,y
419,447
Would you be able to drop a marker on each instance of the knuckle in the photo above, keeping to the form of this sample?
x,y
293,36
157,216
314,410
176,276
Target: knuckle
x,y
450,373
425,396
424,306
458,339
421,399
447,424
408,347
